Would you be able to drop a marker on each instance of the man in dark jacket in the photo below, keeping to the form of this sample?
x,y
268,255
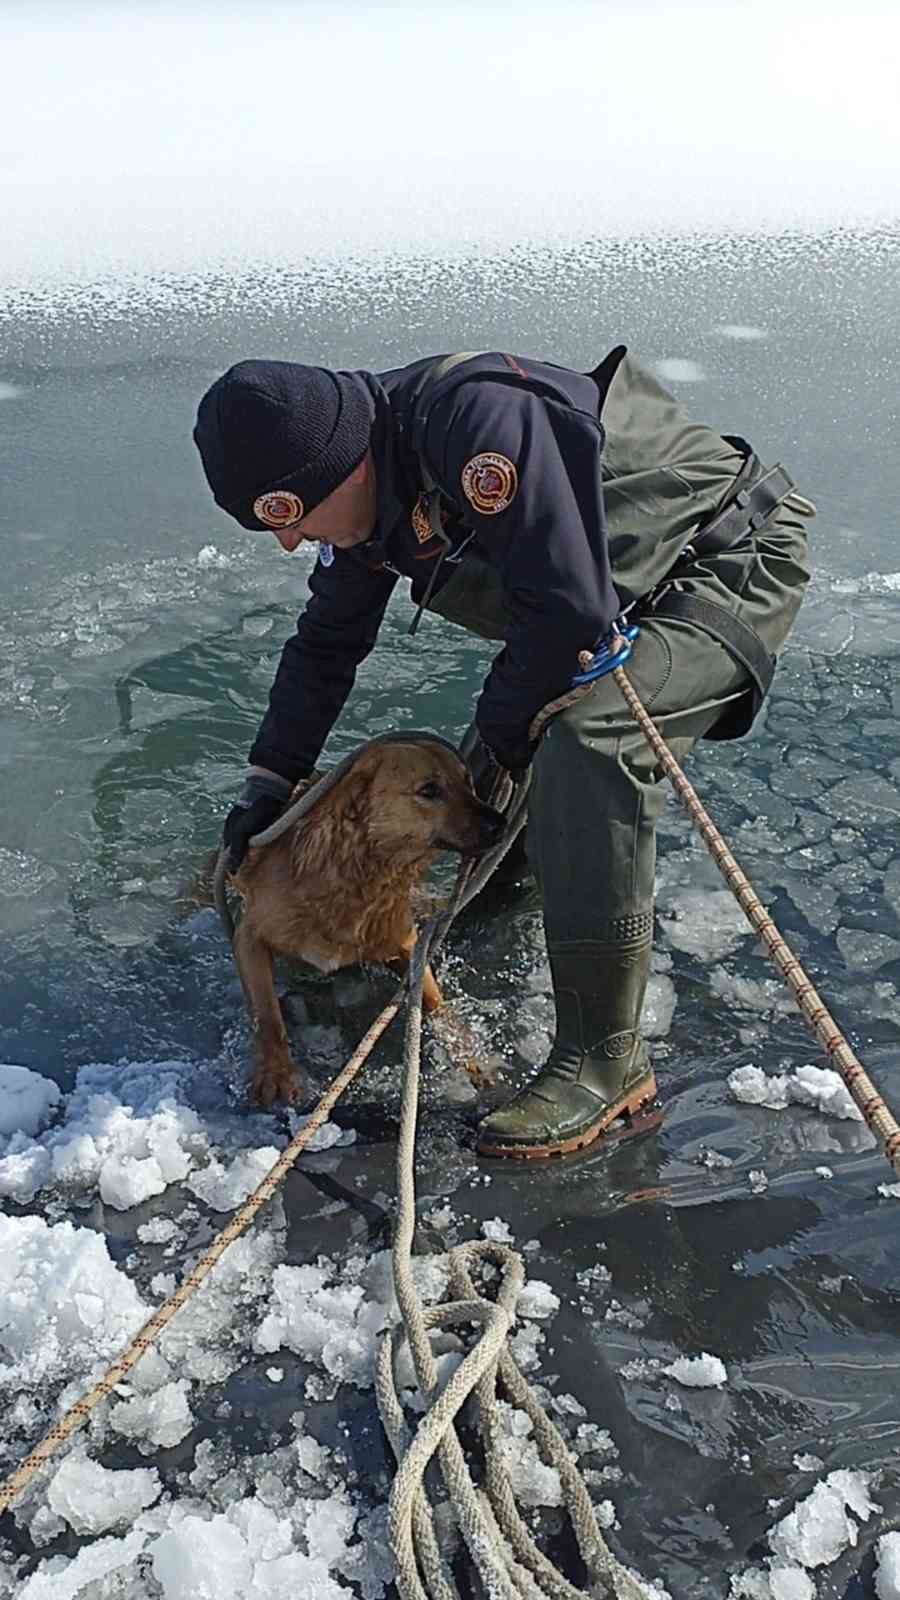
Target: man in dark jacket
x,y
536,506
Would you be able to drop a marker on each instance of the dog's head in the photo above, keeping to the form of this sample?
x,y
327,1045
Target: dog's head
x,y
413,799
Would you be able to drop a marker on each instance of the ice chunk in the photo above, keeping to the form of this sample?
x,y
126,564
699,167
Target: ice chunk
x,y
224,1188
159,1230
820,1527
706,923
66,1580
93,1499
659,1006
887,1570
698,1372
497,1230
759,1181
533,1483
537,1300
208,1560
866,952
125,1130
65,1306
158,1420
128,1180
765,995
333,1323
27,1100
890,1190
808,1086
781,1581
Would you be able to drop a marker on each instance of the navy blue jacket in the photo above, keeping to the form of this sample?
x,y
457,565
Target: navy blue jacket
x,y
548,544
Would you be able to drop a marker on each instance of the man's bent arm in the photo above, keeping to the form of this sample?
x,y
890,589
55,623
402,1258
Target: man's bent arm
x,y
318,664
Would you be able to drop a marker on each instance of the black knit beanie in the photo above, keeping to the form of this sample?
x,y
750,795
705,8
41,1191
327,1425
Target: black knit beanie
x,y
276,426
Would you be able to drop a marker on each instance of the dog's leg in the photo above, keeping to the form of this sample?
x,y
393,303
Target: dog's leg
x,y
432,999
276,1077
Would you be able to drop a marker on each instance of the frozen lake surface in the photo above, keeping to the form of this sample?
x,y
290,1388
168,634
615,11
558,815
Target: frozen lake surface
x,y
756,1228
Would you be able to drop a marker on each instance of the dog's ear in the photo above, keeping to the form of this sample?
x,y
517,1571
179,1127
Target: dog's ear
x,y
354,794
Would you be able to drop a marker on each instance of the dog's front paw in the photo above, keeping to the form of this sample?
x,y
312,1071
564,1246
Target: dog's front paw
x,y
277,1080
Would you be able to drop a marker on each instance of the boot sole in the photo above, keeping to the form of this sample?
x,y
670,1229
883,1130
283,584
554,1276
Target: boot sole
x,y
634,1105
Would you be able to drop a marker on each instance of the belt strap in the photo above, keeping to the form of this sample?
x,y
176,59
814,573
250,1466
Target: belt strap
x,y
754,496
739,639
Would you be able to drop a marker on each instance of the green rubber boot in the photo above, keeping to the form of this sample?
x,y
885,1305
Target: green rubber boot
x,y
597,1070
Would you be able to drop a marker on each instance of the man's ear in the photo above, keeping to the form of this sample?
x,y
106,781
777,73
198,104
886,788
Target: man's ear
x,y
360,473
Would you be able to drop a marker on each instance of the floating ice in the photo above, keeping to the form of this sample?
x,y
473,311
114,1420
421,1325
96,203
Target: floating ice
x,y
808,1086
887,1570
65,1306
537,1300
698,1372
706,923
782,1580
60,1579
766,995
497,1230
159,1230
224,1188
890,1190
155,1421
27,1100
93,1499
820,1527
533,1482
125,1131
331,1322
677,369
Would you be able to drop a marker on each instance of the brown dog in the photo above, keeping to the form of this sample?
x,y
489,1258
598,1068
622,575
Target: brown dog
x,y
336,887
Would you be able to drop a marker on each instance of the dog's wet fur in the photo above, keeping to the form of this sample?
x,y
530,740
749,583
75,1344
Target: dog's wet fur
x,y
337,887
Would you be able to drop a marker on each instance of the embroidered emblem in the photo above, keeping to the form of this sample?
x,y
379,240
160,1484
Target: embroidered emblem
x,y
489,482
278,510
326,554
421,521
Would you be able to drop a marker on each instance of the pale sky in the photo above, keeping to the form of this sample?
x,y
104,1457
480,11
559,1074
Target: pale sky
x,y
148,138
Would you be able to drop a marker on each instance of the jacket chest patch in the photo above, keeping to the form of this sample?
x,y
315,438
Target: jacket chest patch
x,y
489,482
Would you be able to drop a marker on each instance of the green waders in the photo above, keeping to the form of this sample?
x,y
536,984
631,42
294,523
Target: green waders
x,y
595,800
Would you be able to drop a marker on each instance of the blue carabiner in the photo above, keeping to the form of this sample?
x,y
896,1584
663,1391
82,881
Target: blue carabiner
x,y
605,659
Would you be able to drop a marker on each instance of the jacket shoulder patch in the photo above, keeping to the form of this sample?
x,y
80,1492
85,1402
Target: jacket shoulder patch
x,y
489,482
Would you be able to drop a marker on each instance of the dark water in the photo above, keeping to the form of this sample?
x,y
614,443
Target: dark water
x,y
139,634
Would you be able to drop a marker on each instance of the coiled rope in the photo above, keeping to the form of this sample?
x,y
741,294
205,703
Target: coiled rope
x,y
499,1544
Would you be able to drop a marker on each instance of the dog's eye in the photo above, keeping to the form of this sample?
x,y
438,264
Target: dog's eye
x,y
430,791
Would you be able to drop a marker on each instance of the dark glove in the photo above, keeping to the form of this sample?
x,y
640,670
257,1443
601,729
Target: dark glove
x,y
492,780
259,804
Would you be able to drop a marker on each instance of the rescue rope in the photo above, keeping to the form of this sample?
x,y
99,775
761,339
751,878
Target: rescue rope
x,y
875,1112
510,1564
503,1552
877,1115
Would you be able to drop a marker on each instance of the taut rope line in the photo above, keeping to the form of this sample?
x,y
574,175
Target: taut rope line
x,y
876,1113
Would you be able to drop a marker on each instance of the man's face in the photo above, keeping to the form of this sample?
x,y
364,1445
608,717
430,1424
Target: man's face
x,y
345,517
